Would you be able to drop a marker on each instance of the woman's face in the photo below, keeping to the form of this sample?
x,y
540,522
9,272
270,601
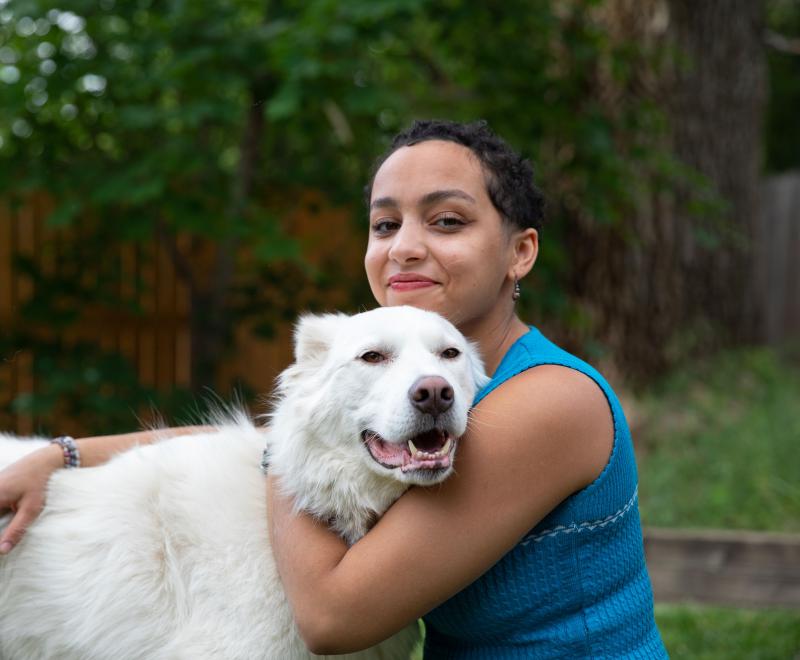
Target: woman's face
x,y
436,240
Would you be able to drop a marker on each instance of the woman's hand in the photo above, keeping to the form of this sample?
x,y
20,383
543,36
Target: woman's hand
x,y
23,484
22,490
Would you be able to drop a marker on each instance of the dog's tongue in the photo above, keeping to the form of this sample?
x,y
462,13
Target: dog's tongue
x,y
387,453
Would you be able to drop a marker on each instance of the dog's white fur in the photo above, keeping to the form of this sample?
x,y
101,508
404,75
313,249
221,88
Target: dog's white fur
x,y
163,552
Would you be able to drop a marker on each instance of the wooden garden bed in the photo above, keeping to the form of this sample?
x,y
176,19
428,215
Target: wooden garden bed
x,y
740,568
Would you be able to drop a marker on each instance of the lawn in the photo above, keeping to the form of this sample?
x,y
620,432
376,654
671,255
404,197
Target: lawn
x,y
717,633
719,446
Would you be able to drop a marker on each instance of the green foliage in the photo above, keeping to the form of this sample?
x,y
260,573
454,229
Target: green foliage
x,y
99,388
178,118
783,129
717,633
718,445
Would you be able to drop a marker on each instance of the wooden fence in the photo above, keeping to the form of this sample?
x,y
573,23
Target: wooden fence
x,y
158,341
777,258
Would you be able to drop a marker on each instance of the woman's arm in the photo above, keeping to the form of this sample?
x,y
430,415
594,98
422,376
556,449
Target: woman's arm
x,y
99,449
23,484
538,438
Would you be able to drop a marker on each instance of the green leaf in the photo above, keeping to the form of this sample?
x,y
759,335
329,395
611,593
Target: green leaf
x,y
64,213
284,104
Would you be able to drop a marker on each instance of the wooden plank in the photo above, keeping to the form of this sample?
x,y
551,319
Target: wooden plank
x,y
777,267
183,310
127,330
48,238
25,246
8,374
740,568
165,313
147,332
791,255
6,257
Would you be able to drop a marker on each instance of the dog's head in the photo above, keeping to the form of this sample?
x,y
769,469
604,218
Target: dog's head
x,y
387,391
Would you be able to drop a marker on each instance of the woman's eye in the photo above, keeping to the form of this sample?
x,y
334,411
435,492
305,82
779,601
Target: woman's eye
x,y
449,221
385,226
450,353
373,357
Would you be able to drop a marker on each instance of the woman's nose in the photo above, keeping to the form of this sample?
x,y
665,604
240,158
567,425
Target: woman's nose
x,y
408,244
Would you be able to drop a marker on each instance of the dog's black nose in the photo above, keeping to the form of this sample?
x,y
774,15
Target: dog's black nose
x,y
431,394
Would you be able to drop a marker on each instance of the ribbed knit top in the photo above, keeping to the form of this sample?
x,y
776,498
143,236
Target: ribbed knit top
x,y
575,586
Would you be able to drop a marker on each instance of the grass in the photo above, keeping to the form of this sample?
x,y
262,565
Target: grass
x,y
716,633
719,444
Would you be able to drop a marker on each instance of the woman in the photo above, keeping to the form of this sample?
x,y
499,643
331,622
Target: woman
x,y
533,549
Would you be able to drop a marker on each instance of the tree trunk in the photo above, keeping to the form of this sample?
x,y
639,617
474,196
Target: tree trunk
x,y
717,114
675,277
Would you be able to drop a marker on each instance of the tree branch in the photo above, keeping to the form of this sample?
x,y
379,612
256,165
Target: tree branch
x,y
782,43
179,261
242,185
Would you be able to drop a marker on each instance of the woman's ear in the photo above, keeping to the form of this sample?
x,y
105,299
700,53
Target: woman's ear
x,y
525,244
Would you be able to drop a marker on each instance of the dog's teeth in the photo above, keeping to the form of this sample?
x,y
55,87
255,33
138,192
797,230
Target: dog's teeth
x,y
423,455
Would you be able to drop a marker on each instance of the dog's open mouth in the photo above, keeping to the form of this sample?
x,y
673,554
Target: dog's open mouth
x,y
432,450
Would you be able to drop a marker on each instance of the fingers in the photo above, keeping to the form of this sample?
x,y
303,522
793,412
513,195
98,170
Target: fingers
x,y
16,529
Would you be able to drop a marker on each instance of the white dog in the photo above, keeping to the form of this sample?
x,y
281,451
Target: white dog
x,y
163,552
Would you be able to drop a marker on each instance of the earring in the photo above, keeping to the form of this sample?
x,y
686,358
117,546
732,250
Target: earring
x,y
515,296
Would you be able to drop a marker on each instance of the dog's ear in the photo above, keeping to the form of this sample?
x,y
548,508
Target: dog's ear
x,y
313,336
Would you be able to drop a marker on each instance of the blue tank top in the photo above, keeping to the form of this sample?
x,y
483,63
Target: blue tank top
x,y
576,586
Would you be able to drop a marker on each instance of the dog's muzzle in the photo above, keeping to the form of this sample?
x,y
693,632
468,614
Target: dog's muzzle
x,y
432,450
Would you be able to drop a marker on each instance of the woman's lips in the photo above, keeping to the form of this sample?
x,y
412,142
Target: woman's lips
x,y
409,282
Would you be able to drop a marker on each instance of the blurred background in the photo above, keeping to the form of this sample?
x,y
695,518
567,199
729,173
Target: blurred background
x,y
178,180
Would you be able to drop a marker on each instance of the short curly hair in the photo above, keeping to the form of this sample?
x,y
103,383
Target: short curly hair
x,y
509,176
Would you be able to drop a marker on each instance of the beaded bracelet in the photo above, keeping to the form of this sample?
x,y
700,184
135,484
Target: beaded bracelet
x,y
72,457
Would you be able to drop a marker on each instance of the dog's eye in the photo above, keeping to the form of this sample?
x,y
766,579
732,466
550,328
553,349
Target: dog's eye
x,y
450,353
373,357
